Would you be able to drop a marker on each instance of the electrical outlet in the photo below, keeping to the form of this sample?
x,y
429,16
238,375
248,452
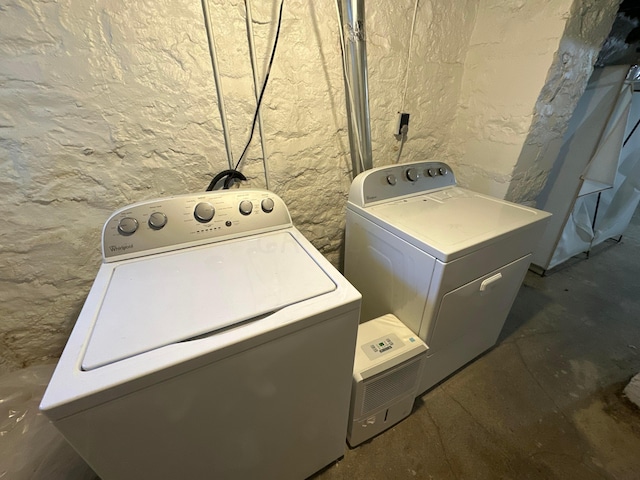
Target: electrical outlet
x,y
403,119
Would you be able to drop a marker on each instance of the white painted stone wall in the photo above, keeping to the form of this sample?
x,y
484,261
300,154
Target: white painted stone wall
x,y
523,57
500,86
439,49
106,103
584,34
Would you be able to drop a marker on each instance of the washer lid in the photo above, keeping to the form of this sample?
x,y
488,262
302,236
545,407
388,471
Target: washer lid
x,y
452,222
162,299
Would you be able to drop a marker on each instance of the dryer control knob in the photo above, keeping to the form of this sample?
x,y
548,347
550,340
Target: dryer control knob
x,y
267,205
432,172
443,171
127,226
246,207
412,174
391,179
157,220
204,212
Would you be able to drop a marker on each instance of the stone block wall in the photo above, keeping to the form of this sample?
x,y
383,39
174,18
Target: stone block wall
x,y
527,65
107,103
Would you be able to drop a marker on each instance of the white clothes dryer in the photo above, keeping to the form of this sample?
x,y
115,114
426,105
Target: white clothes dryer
x,y
448,262
216,342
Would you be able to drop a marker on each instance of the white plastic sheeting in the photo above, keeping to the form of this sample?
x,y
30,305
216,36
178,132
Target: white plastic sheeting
x,y
590,148
604,211
577,233
618,204
601,170
30,447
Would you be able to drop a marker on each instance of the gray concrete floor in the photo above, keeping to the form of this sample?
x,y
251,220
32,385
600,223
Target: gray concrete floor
x,y
546,402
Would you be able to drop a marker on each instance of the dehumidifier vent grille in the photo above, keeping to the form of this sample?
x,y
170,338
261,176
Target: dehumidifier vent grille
x,y
389,386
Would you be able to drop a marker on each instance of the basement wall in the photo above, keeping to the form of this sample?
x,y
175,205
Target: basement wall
x,y
528,64
110,102
584,34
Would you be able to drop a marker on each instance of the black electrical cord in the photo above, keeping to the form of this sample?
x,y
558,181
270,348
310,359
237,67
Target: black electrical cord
x,y
233,173
229,176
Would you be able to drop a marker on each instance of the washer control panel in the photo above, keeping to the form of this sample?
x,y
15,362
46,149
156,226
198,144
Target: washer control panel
x,y
171,223
395,181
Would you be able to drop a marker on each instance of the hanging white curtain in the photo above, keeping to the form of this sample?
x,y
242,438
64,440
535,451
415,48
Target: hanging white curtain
x,y
618,204
609,194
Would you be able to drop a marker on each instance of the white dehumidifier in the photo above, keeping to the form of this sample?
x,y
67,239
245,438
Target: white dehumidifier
x,y
388,365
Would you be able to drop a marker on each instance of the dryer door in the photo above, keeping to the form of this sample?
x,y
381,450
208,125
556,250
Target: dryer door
x,y
478,309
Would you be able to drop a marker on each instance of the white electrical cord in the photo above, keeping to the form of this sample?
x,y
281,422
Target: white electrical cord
x,y
406,74
403,133
350,91
216,78
254,68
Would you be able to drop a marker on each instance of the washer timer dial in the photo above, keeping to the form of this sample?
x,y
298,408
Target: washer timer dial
x,y
204,212
267,205
157,220
412,174
127,226
246,207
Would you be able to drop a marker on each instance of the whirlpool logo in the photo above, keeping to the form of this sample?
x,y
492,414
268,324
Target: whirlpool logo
x,y
120,248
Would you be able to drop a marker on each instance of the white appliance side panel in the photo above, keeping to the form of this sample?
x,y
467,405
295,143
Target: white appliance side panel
x,y
392,275
276,411
163,299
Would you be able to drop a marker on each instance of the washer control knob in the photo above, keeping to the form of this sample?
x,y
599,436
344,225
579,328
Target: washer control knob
x,y
127,226
391,179
267,205
412,174
204,212
157,220
443,171
246,207
432,172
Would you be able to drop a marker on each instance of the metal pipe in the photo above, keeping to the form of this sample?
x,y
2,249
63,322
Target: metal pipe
x,y
254,68
216,78
356,73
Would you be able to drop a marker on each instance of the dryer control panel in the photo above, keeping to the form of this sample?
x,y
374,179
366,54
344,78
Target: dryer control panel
x,y
395,181
172,223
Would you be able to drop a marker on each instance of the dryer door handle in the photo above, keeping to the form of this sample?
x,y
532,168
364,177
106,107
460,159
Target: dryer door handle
x,y
490,281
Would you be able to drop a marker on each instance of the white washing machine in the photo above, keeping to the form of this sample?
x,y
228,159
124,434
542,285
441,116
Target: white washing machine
x,y
448,262
216,342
